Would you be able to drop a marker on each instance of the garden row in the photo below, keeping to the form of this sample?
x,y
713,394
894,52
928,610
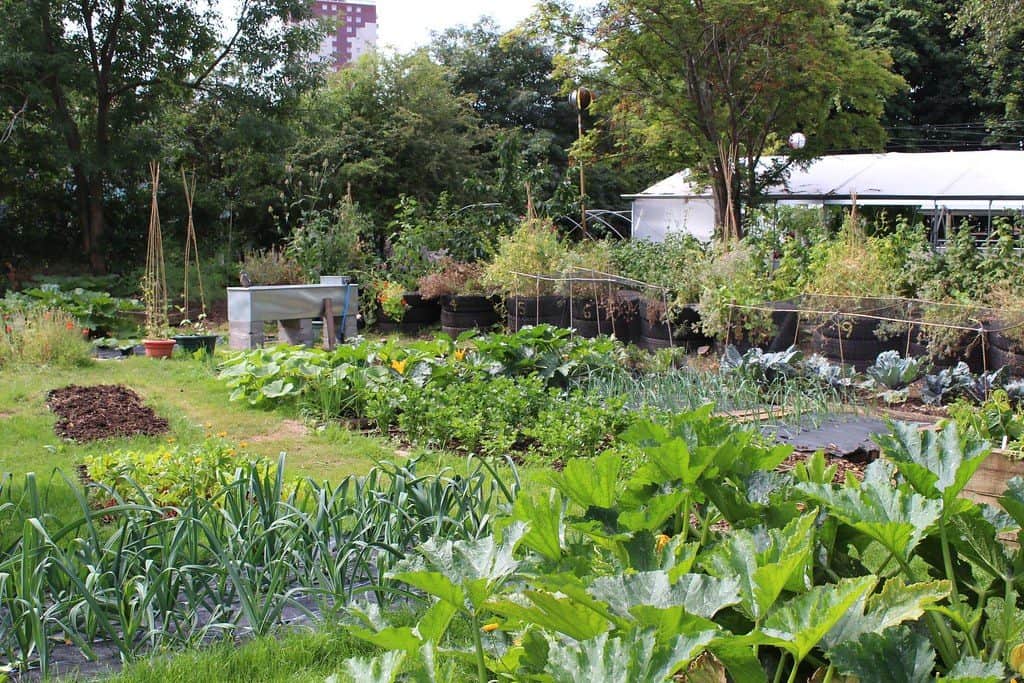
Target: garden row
x,y
690,556
543,393
848,294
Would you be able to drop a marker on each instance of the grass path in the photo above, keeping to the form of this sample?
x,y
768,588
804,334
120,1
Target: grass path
x,y
191,398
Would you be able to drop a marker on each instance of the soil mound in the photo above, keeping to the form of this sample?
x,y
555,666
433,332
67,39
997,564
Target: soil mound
x,y
102,411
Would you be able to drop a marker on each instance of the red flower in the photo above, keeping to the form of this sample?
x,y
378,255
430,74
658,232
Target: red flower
x,y
69,325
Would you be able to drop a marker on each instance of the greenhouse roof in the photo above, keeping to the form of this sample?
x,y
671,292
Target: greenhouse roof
x,y
990,179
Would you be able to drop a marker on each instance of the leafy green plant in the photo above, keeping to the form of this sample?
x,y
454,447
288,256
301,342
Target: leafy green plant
x,y
390,296
894,372
167,475
332,241
533,249
96,311
995,420
763,367
736,284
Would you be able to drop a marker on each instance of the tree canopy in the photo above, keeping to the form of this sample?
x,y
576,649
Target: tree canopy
x,y
717,84
96,75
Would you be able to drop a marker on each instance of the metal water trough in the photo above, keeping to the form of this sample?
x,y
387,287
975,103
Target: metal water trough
x,y
293,307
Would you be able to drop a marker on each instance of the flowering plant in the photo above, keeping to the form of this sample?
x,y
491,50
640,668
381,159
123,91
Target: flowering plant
x,y
391,297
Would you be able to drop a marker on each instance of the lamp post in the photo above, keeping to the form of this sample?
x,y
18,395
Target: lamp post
x,y
580,99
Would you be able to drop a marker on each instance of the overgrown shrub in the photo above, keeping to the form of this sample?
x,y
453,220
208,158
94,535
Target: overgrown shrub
x,y
41,336
272,267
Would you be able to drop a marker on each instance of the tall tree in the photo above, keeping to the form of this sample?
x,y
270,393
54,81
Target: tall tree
x,y
98,73
998,27
719,83
384,127
939,108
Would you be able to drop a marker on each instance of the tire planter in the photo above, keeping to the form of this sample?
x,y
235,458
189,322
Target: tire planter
x,y
533,310
158,348
972,354
590,318
682,332
193,342
462,313
1004,353
852,340
420,313
626,320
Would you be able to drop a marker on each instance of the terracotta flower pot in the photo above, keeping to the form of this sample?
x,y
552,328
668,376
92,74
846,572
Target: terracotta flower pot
x,y
158,348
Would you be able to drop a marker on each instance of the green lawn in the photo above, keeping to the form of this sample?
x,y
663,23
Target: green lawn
x,y
187,393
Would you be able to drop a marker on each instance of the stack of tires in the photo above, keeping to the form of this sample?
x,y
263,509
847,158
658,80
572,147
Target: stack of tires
x,y
419,314
470,312
591,317
1003,352
536,310
682,331
851,339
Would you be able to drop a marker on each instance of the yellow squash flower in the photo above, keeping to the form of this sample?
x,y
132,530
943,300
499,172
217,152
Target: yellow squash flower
x,y
488,628
1017,658
460,354
660,541
399,366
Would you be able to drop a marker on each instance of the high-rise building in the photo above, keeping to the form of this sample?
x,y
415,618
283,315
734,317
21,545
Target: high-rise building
x,y
354,29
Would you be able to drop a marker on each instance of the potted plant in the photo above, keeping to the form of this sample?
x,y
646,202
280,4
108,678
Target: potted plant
x,y
466,301
195,334
732,300
401,308
154,283
851,277
525,270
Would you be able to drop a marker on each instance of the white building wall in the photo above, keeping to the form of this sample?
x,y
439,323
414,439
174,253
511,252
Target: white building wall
x,y
654,217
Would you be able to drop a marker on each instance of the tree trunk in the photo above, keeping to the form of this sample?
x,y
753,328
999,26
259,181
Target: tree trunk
x,y
92,219
97,229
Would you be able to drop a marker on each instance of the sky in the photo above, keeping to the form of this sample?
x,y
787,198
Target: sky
x,y
406,24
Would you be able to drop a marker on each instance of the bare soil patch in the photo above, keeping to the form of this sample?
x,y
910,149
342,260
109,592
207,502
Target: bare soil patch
x,y
286,429
102,411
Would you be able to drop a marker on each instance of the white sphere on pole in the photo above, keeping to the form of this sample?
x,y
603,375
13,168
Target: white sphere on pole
x,y
797,140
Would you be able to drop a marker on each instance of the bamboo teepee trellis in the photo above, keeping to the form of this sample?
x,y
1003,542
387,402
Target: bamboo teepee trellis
x,y
192,250
154,282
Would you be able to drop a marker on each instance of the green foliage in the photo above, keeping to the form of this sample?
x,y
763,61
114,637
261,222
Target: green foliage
x,y
996,420
533,249
98,312
892,371
272,267
125,66
725,114
850,265
166,475
156,577
332,241
677,265
736,276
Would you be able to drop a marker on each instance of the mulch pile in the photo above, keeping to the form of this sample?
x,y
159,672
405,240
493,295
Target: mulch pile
x,y
102,411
